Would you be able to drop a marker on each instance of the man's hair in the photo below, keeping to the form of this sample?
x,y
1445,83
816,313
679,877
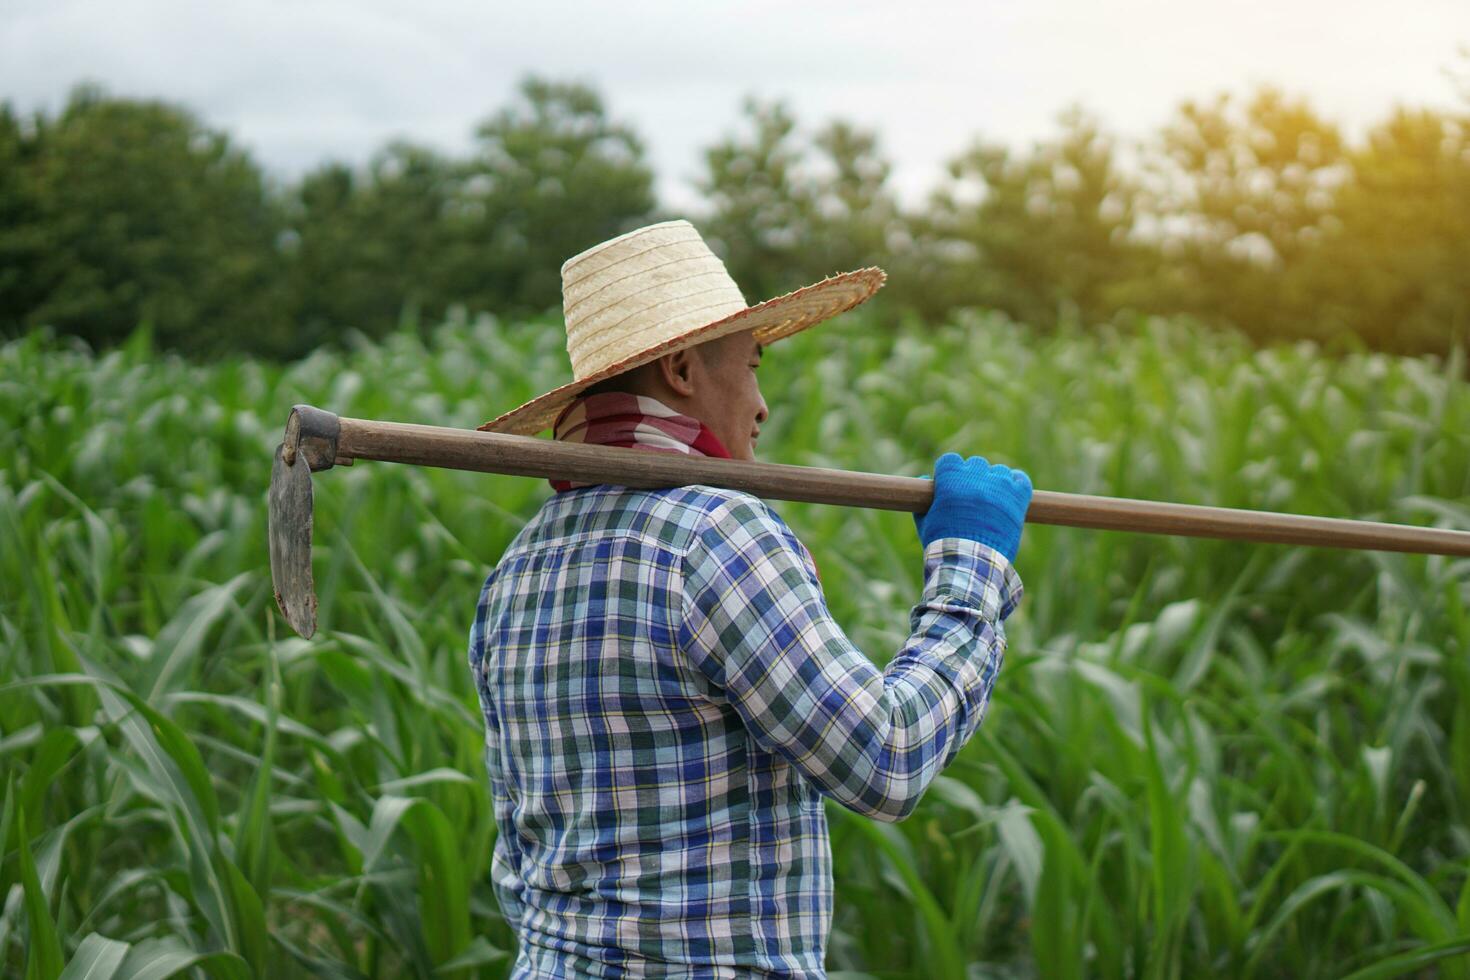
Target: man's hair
x,y
618,382
712,352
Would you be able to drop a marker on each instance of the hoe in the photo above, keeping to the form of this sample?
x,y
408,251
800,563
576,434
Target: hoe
x,y
318,440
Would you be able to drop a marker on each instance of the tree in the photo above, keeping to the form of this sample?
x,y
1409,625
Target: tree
x,y
1394,267
758,217
1248,193
552,175
22,232
786,210
123,212
366,246
1041,234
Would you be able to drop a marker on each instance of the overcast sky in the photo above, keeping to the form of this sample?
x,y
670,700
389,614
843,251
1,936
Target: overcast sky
x,y
304,81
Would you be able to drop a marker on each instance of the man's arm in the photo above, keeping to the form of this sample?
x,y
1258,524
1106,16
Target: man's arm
x,y
757,625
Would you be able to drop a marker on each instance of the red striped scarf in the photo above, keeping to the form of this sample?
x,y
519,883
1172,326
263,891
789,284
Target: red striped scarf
x,y
616,418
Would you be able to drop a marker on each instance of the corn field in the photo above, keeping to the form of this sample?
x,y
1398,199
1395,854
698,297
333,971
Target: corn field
x,y
1203,758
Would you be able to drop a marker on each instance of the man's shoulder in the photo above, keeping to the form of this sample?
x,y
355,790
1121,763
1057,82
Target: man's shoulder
x,y
670,516
709,500
722,506
699,522
700,509
742,522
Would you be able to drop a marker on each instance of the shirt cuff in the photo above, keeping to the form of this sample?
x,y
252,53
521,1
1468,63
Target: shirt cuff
x,y
972,574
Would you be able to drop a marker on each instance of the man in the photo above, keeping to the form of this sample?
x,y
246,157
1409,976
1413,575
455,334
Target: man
x,y
667,699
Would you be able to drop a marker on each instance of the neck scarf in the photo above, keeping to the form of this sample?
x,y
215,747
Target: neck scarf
x,y
616,418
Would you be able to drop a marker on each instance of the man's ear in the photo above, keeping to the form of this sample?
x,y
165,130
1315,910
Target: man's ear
x,y
677,371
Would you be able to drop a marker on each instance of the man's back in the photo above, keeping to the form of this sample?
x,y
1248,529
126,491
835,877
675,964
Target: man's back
x,y
666,702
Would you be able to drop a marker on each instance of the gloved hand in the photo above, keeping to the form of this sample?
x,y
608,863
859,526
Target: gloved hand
x,y
976,500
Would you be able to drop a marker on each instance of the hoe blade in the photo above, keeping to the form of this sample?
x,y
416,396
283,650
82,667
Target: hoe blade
x,y
290,538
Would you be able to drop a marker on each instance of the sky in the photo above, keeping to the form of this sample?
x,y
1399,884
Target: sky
x,y
302,82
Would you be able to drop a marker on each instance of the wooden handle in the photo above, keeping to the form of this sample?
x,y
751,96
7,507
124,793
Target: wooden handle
x,y
490,452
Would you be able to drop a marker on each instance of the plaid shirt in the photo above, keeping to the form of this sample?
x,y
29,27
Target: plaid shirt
x,y
667,700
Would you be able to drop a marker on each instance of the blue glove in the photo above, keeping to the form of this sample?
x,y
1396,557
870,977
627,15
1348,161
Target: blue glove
x,y
978,501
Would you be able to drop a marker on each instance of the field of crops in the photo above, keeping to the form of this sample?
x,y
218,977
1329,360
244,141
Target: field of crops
x,y
1203,758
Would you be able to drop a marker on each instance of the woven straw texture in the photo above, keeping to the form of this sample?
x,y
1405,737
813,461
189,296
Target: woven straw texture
x,y
658,289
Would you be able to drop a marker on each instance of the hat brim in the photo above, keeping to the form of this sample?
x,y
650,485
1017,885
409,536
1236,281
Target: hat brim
x,y
771,321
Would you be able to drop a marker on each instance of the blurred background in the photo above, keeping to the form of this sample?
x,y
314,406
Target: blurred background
x,y
1212,253
267,176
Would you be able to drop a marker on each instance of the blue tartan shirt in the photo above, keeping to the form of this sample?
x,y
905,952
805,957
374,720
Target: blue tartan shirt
x,y
667,701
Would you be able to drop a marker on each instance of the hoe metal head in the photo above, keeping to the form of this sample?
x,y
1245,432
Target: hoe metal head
x,y
310,444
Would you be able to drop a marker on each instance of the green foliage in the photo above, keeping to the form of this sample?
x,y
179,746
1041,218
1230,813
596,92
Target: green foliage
x,y
418,232
551,176
1039,235
780,222
362,248
1257,184
122,212
1282,229
1203,758
1254,214
119,212
1395,267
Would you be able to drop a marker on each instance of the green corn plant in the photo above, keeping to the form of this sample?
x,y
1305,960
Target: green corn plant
x,y
1203,758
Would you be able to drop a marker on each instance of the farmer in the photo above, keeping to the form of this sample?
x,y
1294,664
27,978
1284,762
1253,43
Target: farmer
x,y
666,697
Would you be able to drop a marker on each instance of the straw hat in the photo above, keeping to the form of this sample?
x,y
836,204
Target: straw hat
x,y
657,290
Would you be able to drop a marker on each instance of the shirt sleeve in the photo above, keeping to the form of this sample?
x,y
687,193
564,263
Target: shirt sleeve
x,y
756,624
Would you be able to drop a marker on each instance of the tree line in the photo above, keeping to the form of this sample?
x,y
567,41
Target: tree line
x,y
1252,213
